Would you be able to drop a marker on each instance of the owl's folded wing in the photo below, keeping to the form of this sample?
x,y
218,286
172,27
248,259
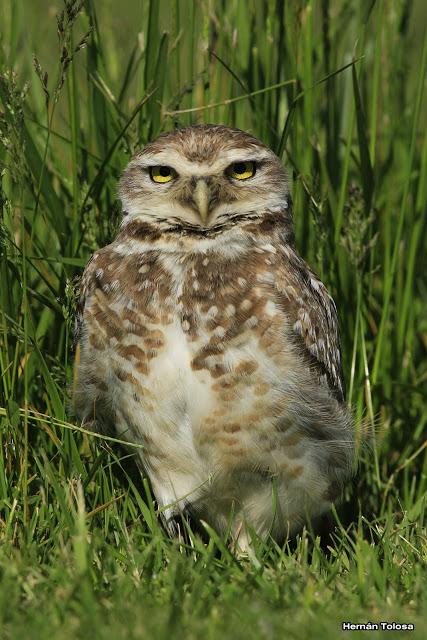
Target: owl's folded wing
x,y
96,323
87,284
313,318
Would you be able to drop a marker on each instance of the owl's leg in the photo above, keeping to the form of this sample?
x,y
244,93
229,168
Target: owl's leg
x,y
171,514
176,525
241,541
242,546
177,511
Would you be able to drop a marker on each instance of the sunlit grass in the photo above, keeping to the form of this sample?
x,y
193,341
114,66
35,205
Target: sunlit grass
x,y
337,89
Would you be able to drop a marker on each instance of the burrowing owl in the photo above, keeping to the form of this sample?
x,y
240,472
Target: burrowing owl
x,y
204,336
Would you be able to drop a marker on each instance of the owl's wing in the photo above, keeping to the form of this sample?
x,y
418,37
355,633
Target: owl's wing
x,y
95,323
313,318
87,284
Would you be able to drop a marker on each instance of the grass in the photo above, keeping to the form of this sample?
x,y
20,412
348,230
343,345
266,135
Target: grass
x,y
337,89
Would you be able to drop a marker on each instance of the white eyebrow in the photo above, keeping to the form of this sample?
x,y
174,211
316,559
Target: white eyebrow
x,y
183,166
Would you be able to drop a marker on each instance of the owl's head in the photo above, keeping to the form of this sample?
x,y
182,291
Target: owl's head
x,y
203,175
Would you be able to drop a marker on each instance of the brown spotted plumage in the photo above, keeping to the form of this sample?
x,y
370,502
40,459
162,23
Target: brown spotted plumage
x,y
204,336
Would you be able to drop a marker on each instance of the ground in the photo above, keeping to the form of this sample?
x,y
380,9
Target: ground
x,y
337,90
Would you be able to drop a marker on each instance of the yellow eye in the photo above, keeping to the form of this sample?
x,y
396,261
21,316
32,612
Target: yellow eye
x,y
241,170
162,174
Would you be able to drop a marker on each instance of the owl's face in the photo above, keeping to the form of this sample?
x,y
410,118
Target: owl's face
x,y
202,176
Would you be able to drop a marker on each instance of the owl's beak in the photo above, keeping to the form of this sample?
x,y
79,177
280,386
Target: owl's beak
x,y
201,197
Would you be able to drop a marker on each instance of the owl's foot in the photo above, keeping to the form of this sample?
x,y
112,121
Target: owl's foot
x,y
241,546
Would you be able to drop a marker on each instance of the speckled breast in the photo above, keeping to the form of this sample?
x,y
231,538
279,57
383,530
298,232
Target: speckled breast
x,y
195,347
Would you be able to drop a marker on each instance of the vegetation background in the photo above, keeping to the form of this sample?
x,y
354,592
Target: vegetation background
x,y
336,88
